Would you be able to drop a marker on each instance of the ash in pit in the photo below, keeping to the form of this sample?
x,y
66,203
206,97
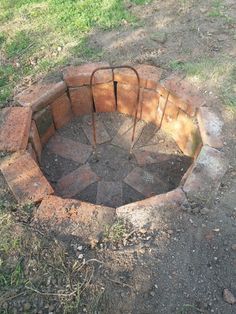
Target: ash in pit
x,y
111,176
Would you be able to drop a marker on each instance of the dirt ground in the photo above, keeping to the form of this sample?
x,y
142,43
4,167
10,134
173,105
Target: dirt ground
x,y
187,263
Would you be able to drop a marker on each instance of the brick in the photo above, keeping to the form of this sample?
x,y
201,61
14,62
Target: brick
x,y
44,122
61,111
145,157
70,149
76,76
109,193
76,181
184,132
210,127
185,91
149,76
149,105
14,128
31,151
25,179
145,183
206,174
101,133
147,213
123,138
81,100
35,140
75,218
38,96
104,97
126,98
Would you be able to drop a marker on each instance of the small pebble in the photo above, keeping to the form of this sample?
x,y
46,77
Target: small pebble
x,y
229,297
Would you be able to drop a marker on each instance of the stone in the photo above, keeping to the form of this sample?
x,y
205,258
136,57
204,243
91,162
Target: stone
x,y
149,76
109,193
145,183
44,123
76,76
61,111
123,138
228,296
75,218
210,127
81,100
76,181
233,247
14,128
70,149
159,37
147,213
104,97
206,174
25,179
35,140
40,95
101,133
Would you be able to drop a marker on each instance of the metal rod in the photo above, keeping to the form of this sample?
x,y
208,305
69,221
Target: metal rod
x,y
94,106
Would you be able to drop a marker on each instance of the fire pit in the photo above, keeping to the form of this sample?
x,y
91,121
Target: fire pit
x,y
111,136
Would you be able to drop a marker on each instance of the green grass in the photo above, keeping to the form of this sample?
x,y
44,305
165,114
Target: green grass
x,y
39,35
217,73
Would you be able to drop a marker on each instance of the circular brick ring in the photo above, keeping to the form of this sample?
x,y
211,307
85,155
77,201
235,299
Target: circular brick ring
x,y
47,106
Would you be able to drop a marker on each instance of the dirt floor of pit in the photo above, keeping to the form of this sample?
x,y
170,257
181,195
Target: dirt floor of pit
x,y
155,166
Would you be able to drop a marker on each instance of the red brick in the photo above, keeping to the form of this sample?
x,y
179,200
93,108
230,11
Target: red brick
x,y
25,179
40,95
147,212
63,215
145,182
70,149
184,132
126,98
14,128
149,76
76,181
145,157
44,123
35,140
210,127
81,100
104,97
149,105
185,91
61,111
76,76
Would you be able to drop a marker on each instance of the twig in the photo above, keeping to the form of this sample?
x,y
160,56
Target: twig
x,y
51,293
120,283
2,300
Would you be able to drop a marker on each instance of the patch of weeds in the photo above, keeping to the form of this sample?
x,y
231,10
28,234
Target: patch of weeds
x,y
141,2
216,10
18,44
220,74
2,39
83,50
116,232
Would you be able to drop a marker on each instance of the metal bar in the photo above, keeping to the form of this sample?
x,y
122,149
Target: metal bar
x,y
94,106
